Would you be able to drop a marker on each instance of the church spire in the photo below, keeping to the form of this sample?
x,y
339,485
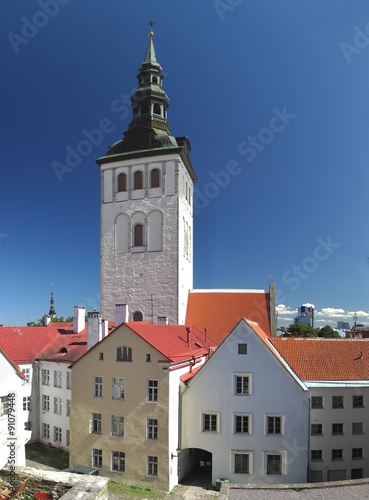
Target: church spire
x,y
150,102
52,312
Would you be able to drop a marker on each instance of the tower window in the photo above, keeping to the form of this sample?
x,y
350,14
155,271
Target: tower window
x,y
157,109
138,316
155,79
138,235
155,178
138,180
145,109
122,182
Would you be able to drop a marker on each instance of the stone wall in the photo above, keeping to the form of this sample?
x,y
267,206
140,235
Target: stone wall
x,y
63,485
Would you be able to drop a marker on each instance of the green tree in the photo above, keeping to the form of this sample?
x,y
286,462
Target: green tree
x,y
328,332
302,330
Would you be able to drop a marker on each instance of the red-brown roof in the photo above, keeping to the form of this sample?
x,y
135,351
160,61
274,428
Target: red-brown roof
x,y
325,359
219,311
173,341
22,344
65,348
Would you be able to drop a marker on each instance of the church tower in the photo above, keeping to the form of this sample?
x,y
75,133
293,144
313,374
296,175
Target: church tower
x,y
147,210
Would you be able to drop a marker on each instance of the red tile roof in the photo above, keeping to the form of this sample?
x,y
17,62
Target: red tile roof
x,y
23,343
219,311
65,348
173,341
325,359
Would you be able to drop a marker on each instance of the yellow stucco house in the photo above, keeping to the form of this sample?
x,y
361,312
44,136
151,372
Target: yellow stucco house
x,y
125,401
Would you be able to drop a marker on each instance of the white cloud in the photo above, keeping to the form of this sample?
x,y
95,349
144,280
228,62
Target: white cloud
x,y
332,312
283,309
308,305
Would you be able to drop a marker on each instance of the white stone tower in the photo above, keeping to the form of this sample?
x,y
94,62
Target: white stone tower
x,y
147,210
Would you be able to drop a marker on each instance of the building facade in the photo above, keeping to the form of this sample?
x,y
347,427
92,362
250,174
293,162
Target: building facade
x,y
147,210
246,414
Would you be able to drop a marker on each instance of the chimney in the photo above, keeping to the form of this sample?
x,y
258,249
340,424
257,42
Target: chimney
x,y
47,320
105,328
188,330
79,319
121,314
163,320
94,328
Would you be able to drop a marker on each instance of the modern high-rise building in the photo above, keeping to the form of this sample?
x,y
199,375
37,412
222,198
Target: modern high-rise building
x,y
305,315
147,210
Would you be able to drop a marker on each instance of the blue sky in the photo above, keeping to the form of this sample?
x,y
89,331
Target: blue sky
x,y
274,98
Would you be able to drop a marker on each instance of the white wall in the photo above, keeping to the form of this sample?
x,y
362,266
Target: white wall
x,y
274,391
135,275
11,382
50,417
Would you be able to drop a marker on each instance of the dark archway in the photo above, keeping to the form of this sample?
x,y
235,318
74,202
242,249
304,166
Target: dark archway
x,y
196,467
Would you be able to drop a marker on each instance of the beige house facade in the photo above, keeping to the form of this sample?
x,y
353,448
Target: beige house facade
x,y
125,402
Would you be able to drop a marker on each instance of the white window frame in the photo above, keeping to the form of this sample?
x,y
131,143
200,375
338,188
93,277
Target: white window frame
x,y
152,429
152,466
45,402
58,379
282,454
96,423
69,380
57,434
98,384
117,426
242,415
250,454
27,373
45,374
97,458
45,431
118,388
249,384
118,462
26,403
152,391
215,414
4,405
58,405
274,416
124,354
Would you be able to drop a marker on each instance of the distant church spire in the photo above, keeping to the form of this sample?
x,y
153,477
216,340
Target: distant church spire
x,y
52,312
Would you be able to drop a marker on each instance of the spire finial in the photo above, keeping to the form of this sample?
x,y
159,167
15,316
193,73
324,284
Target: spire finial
x,y
151,33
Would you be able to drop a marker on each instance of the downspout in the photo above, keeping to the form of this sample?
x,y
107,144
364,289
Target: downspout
x,y
38,402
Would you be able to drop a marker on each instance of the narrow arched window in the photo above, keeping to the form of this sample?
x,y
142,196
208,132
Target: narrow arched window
x,y
137,316
138,180
157,109
138,235
154,79
155,178
122,182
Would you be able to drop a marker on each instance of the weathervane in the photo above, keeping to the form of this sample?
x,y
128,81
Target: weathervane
x,y
151,24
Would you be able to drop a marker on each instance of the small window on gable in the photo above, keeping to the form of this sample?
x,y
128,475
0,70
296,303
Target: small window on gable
x,y
101,356
138,180
138,235
122,182
137,316
124,353
155,178
242,348
148,358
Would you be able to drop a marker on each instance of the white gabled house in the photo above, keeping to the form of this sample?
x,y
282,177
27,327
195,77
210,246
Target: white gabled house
x,y
11,394
245,414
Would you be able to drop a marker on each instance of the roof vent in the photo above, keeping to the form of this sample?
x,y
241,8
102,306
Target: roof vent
x,y
63,350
